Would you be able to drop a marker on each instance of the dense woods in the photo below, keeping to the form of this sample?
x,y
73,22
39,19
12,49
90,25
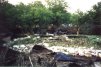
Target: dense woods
x,y
32,18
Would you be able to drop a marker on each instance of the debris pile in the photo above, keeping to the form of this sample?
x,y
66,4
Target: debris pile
x,y
39,56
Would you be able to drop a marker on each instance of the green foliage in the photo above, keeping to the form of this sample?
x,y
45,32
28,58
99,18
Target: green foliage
x,y
33,14
93,19
97,11
60,15
77,18
42,16
57,5
74,18
27,17
95,40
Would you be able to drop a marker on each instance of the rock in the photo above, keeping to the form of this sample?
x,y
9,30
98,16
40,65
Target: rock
x,y
22,46
97,64
99,54
16,47
42,56
46,45
40,49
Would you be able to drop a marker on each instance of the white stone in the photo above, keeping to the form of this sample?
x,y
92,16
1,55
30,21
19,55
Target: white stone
x,y
97,64
97,38
99,54
46,45
16,46
38,37
28,37
15,39
22,46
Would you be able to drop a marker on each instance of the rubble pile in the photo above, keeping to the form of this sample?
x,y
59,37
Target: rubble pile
x,y
82,51
57,56
43,55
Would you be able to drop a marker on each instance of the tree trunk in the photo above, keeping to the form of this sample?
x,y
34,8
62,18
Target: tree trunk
x,y
78,31
31,31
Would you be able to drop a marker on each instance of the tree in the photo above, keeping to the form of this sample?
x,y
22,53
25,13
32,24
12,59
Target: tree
x,y
77,20
24,18
97,11
60,14
42,16
7,13
97,18
32,15
93,19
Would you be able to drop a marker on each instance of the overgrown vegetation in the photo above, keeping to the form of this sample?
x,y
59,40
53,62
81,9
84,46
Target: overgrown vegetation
x,y
23,18
95,40
87,41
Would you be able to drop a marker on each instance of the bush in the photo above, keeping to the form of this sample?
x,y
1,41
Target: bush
x,y
95,40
